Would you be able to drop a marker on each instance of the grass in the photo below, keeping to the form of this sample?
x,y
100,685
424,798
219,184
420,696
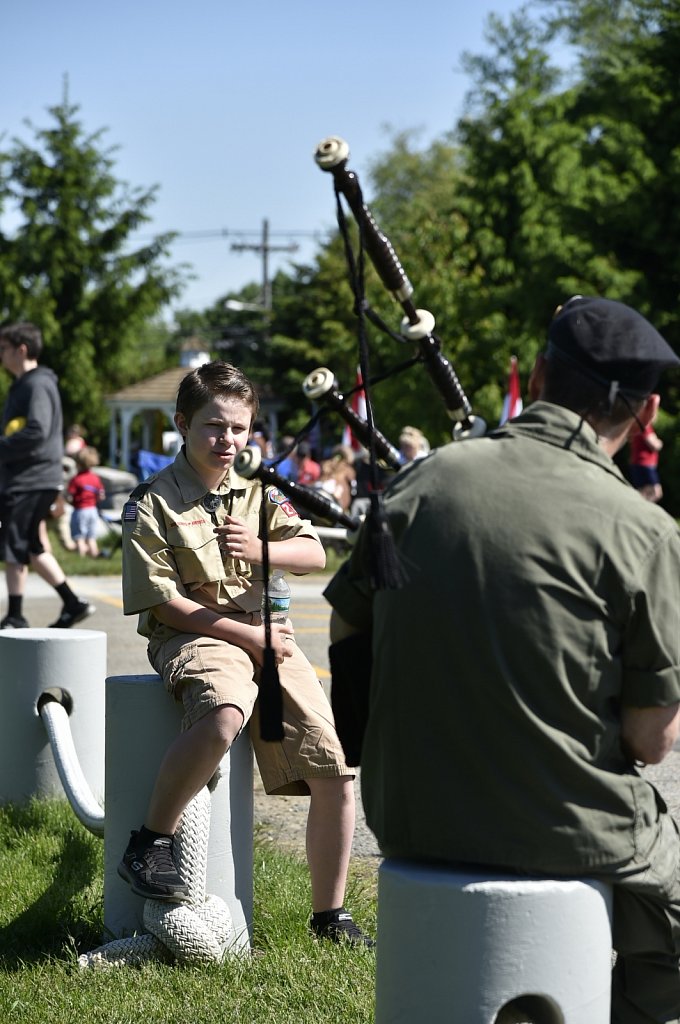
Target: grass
x,y
74,564
51,908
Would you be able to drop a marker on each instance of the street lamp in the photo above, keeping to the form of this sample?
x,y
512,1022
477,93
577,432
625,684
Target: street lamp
x,y
244,307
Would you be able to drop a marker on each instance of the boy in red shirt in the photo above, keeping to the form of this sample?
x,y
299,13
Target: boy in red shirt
x,y
85,492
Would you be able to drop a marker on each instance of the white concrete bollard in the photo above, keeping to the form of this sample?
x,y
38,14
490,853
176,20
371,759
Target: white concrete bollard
x,y
35,660
456,947
141,723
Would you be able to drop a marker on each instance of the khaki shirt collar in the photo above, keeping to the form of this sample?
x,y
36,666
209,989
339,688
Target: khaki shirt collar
x,y
192,488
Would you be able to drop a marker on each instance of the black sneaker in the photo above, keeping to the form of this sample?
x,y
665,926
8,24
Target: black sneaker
x,y
14,622
338,926
152,872
74,613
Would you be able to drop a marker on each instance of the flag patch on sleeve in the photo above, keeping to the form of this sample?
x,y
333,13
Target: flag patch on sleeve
x,y
129,512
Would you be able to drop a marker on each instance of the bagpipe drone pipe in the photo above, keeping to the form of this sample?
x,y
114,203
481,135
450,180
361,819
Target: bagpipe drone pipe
x,y
417,325
248,463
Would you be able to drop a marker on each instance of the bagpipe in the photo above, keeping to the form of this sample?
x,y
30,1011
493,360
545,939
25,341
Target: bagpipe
x,y
350,659
322,387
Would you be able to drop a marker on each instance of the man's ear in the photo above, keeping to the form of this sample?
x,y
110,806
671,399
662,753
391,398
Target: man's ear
x,y
536,378
181,423
647,413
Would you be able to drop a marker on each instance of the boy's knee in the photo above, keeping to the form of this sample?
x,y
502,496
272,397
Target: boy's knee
x,y
225,723
337,788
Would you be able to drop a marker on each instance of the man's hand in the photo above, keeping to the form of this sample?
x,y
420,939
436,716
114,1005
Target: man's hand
x,y
648,734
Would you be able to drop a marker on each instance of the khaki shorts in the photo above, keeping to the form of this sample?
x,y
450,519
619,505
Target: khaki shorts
x,y
203,673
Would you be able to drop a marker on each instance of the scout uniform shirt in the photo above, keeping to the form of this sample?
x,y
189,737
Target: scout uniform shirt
x,y
170,549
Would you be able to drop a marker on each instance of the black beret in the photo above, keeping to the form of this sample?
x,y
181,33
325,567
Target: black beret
x,y
611,343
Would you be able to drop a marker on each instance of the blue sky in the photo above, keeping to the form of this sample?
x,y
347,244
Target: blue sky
x,y
221,104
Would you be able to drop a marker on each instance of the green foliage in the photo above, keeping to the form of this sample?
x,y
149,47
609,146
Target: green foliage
x,y
51,903
553,183
70,268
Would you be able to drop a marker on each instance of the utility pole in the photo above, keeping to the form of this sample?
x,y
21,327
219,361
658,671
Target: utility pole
x,y
265,248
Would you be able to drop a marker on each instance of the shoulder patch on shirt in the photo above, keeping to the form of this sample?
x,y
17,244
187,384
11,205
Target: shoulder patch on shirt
x,y
129,513
282,500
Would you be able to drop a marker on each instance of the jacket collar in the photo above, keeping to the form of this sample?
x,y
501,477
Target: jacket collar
x,y
553,424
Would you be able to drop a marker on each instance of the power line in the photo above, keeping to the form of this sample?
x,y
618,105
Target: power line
x,y
211,234
264,247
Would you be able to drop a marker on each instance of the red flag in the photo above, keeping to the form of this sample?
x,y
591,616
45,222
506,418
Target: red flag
x,y
512,403
358,404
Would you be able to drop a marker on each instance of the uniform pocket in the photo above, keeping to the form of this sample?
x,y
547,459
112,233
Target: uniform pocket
x,y
196,552
176,669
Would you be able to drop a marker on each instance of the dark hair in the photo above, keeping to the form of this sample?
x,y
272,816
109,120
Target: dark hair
x,y
23,333
214,380
564,384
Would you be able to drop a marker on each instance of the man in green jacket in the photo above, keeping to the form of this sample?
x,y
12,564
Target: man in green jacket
x,y
531,663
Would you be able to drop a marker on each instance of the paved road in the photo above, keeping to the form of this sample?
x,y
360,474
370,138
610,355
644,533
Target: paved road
x,y
282,817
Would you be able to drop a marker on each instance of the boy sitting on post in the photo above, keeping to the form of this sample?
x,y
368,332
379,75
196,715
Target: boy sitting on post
x,y
192,569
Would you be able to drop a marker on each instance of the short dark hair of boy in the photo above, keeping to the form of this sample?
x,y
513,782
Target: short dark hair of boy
x,y
26,334
214,380
565,385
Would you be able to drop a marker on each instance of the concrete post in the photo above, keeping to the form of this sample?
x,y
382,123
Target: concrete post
x,y
456,947
32,661
141,722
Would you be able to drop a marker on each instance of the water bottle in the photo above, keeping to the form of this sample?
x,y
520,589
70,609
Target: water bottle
x,y
279,597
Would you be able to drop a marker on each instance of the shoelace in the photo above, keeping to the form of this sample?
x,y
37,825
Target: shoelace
x,y
159,857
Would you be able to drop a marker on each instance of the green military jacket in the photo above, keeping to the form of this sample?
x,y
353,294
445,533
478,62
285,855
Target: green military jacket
x,y
170,548
542,594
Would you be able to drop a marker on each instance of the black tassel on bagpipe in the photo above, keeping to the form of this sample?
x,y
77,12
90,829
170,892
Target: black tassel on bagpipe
x,y
270,698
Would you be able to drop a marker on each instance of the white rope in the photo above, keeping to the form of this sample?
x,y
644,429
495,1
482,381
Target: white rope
x,y
194,935
197,932
121,952
56,721
191,844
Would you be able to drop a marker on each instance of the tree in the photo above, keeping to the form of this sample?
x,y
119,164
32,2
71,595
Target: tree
x,y
576,190
70,267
